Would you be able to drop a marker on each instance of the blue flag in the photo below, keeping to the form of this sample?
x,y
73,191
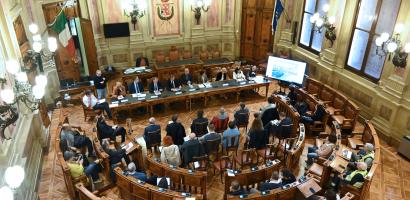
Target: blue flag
x,y
276,15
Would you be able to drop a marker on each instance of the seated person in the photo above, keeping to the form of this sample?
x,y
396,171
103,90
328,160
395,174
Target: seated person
x,y
324,151
274,182
176,130
91,102
301,107
365,155
235,189
272,115
136,86
155,86
173,85
232,131
253,72
79,166
355,178
211,135
316,116
200,119
107,131
238,74
163,183
132,171
151,128
115,157
141,62
222,75
330,194
191,148
287,176
118,91
75,140
242,111
203,78
257,136
292,94
279,127
186,78
221,121
170,152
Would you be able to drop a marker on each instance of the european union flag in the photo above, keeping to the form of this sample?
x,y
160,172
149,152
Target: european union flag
x,y
276,15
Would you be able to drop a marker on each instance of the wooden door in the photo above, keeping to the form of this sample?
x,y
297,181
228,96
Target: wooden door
x,y
67,67
89,45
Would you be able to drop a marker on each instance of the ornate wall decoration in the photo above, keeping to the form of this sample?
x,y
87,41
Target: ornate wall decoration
x,y
229,11
8,118
165,17
29,9
94,17
213,15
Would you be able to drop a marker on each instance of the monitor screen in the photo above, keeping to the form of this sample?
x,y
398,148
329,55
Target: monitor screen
x,y
286,70
116,30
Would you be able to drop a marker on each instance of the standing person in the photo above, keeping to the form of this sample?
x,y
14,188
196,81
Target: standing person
x,y
170,152
176,130
242,114
100,83
232,131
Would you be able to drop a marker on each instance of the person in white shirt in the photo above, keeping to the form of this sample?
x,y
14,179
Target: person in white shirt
x,y
238,74
91,102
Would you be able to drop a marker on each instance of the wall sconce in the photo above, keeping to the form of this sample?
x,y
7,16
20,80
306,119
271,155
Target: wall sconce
x,y
325,22
197,6
387,45
134,9
37,54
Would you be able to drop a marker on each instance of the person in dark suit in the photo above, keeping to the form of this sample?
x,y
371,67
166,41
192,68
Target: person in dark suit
x,y
222,75
269,112
280,128
253,72
152,127
287,176
211,135
257,136
115,157
141,62
191,148
186,78
241,113
155,86
235,189
107,131
136,86
176,130
316,116
200,119
292,94
173,85
274,182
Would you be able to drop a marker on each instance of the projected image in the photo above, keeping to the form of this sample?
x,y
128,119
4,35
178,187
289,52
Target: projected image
x,y
286,70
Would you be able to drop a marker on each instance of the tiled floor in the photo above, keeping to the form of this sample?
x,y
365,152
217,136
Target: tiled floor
x,y
391,180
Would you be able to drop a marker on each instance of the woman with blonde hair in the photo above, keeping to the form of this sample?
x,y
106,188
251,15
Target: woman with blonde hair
x,y
170,152
118,90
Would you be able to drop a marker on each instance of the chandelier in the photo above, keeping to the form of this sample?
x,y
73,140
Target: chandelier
x,y
327,23
392,46
134,9
197,6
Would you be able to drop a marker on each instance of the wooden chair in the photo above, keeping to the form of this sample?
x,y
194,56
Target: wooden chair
x,y
154,141
337,104
313,87
222,164
91,113
327,95
212,148
160,57
203,55
173,54
200,129
267,153
187,54
246,158
242,121
319,126
358,141
203,163
347,117
230,147
216,54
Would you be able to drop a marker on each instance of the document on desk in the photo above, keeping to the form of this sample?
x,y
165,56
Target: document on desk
x,y
186,138
347,154
201,86
140,68
225,84
124,100
208,85
178,93
242,83
101,101
114,102
230,172
128,146
154,97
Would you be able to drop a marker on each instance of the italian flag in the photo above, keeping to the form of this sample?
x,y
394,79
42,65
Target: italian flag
x,y
60,26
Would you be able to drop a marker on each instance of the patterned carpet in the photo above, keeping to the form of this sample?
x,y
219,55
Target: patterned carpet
x,y
390,180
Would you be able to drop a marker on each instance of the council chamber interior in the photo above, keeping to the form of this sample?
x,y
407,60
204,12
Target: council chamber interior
x,y
204,99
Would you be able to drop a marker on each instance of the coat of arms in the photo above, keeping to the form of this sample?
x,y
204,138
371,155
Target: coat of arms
x,y
165,10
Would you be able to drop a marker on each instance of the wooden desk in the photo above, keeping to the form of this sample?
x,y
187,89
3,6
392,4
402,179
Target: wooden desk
x,y
187,94
76,90
309,188
220,62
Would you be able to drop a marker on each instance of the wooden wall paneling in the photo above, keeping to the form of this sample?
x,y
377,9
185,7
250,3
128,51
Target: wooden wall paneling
x,y
89,45
66,67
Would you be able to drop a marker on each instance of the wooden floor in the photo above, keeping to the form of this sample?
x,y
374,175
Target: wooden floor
x,y
391,180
